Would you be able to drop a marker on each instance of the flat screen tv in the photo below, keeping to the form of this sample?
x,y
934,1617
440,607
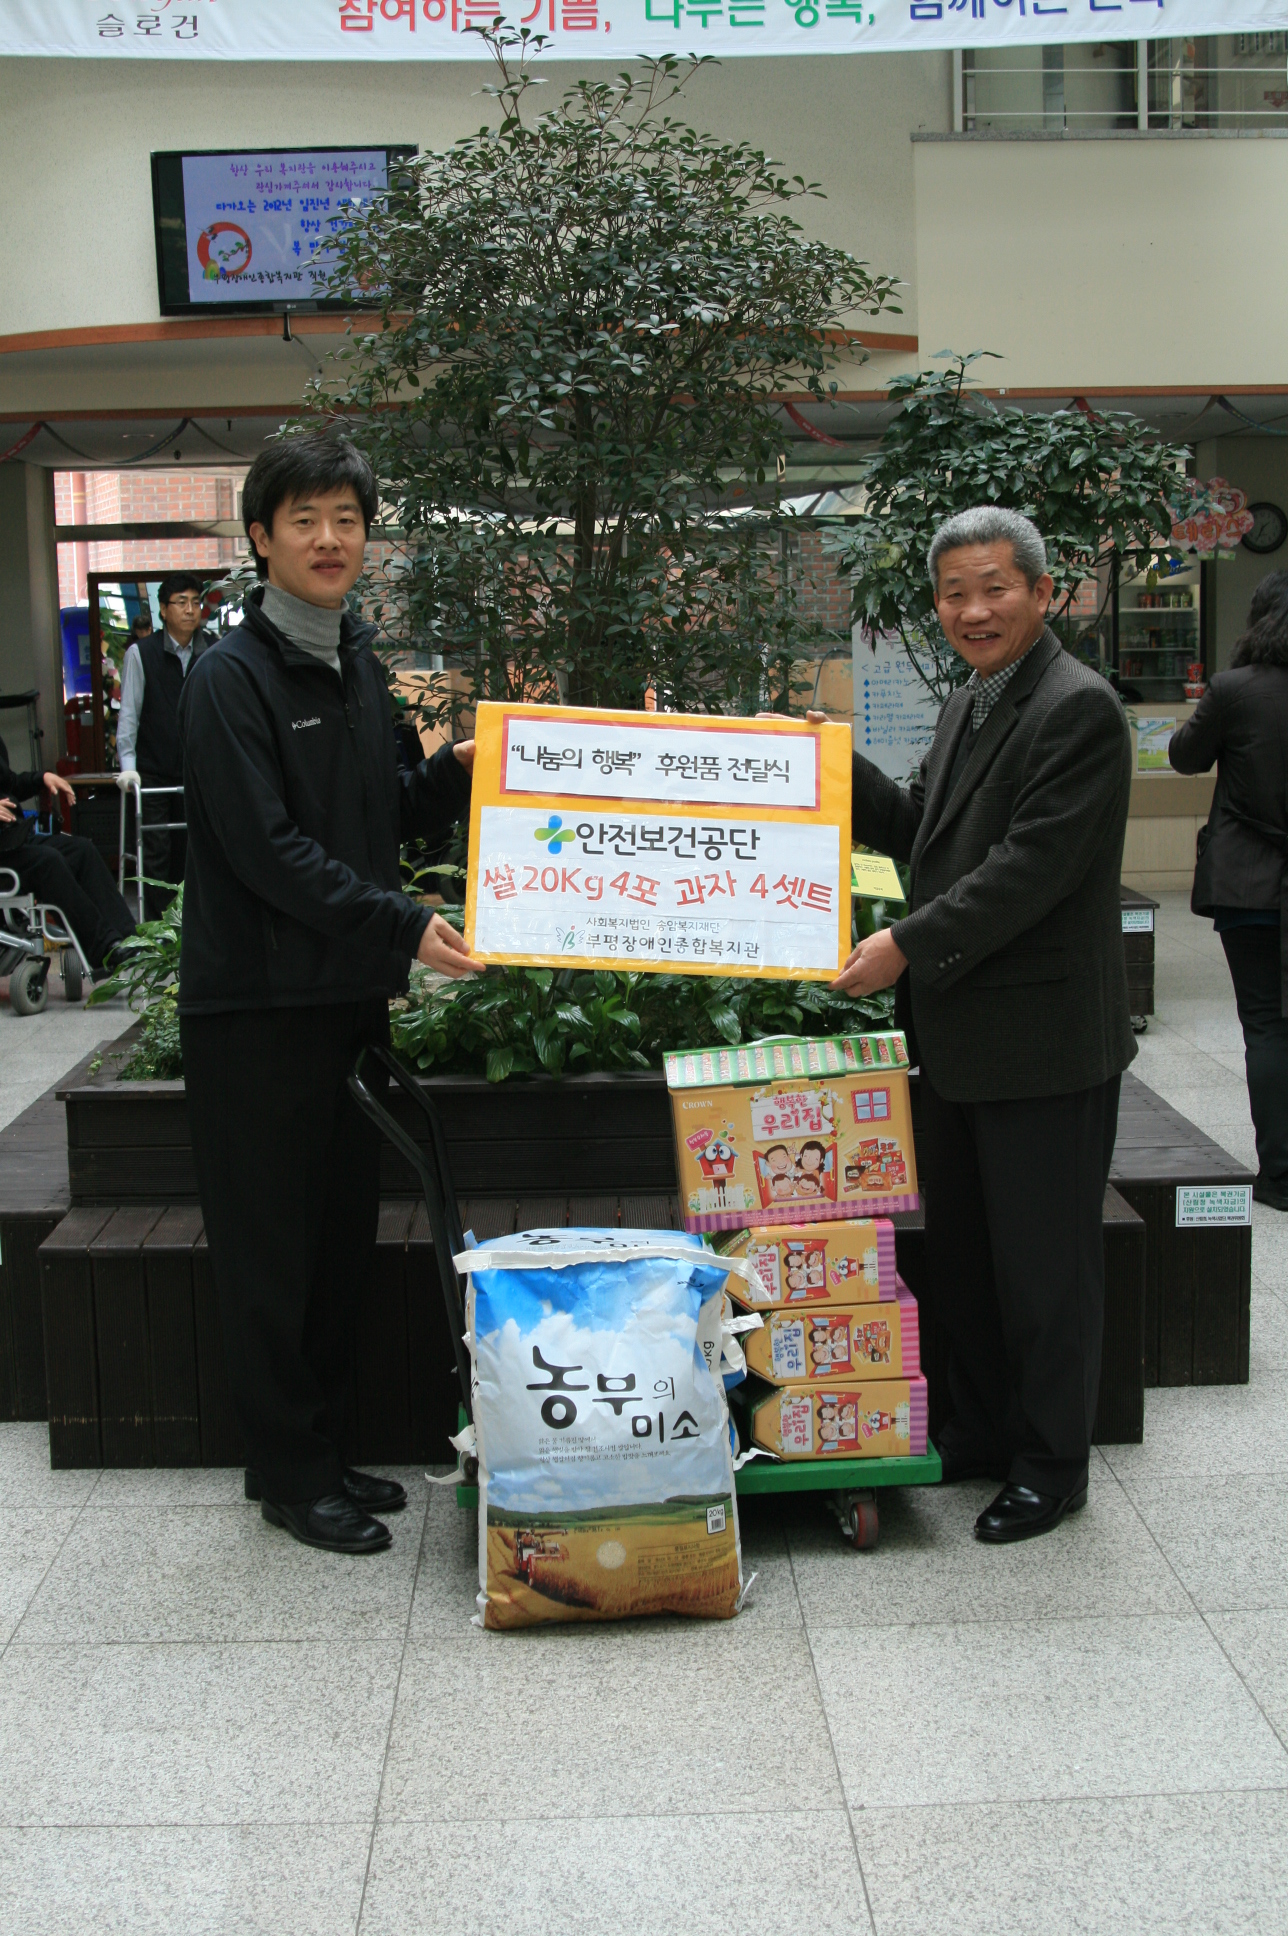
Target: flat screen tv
x,y
249,231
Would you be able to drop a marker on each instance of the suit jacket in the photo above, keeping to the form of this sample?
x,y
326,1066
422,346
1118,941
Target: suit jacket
x,y
1014,932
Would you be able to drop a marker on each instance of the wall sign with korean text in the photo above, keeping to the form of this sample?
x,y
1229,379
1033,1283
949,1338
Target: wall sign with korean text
x,y
659,842
437,30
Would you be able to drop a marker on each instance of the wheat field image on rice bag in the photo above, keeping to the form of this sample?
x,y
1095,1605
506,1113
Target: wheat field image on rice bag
x,y
605,1470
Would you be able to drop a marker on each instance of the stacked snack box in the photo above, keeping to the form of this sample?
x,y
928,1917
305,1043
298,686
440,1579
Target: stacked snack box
x,y
790,1131
795,1146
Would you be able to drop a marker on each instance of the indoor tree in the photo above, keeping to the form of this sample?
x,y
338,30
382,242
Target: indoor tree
x,y
1101,487
585,314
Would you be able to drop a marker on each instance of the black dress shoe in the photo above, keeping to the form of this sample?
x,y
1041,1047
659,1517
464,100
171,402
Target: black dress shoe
x,y
363,1488
1018,1513
1273,1194
332,1523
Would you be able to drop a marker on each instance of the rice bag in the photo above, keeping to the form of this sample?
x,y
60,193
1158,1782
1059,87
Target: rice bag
x,y
601,1428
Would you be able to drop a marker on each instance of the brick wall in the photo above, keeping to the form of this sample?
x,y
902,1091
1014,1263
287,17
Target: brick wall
x,y
144,497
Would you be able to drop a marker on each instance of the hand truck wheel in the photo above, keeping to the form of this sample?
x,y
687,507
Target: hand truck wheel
x,y
860,1521
29,987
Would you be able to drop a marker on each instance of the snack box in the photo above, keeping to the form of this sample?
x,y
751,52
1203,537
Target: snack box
x,y
787,1131
878,1418
830,1343
814,1263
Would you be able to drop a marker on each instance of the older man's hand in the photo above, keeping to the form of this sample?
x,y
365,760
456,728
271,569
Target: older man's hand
x,y
877,962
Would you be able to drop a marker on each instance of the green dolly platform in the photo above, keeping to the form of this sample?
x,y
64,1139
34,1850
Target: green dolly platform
x,y
851,1486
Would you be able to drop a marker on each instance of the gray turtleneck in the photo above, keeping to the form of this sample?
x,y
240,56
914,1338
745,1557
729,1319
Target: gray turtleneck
x,y
314,628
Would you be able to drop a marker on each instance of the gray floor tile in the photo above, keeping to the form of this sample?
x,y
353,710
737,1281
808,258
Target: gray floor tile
x,y
300,1881
1206,1430
1227,1541
203,1735
155,1487
25,1476
1257,1643
929,1568
1211,1865
218,1574
448,1577
609,1720
30,1538
1269,1341
682,1875
1040,1710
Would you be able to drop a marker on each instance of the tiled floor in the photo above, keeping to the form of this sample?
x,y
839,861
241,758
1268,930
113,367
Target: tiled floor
x,y
207,1730
36,1049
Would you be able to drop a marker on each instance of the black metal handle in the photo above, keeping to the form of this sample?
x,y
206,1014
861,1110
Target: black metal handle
x,y
437,1141
440,1235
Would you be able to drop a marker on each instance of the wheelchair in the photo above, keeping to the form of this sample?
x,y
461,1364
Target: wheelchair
x,y
32,932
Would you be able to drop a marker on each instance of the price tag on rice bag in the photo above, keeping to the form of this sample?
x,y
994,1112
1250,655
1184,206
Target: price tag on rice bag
x,y
874,877
659,842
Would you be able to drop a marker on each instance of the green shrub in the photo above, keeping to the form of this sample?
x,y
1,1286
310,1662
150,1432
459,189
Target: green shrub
x,y
533,1021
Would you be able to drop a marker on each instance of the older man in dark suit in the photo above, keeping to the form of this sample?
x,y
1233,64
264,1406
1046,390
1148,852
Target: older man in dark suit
x,y
1012,949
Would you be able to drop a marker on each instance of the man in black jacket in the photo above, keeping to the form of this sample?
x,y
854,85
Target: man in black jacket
x,y
63,870
1012,947
295,935
147,732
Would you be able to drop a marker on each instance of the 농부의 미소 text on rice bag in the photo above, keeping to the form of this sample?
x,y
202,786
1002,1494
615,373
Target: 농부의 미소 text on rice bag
x,y
606,1483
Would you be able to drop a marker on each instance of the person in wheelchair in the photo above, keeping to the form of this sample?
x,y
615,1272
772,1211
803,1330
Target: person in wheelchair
x,y
61,870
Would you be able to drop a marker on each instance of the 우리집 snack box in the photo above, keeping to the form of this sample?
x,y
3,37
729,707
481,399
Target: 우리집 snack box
x,y
880,1418
829,1343
788,1132
814,1263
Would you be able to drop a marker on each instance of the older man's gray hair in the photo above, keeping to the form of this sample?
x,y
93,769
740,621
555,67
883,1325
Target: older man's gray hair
x,y
990,524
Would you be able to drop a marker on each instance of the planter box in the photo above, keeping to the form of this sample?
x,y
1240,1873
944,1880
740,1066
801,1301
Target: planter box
x,y
134,1348
1138,912
128,1142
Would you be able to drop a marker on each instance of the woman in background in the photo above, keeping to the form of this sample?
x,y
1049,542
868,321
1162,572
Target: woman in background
x,y
1241,879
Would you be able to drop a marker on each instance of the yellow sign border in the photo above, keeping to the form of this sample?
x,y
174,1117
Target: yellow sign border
x,y
835,772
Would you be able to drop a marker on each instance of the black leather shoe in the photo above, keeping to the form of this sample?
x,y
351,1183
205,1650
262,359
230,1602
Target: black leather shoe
x,y
332,1523
1273,1194
1018,1513
372,1494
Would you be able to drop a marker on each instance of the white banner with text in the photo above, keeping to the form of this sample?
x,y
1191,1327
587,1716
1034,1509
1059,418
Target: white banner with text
x,y
404,30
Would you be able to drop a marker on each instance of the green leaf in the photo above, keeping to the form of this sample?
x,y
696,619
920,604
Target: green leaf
x,y
500,1061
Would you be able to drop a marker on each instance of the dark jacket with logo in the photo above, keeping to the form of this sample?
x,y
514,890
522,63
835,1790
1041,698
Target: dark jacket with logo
x,y
1014,932
296,812
158,751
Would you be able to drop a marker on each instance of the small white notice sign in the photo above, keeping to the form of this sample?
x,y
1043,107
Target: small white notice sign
x,y
596,760
1138,920
1208,1203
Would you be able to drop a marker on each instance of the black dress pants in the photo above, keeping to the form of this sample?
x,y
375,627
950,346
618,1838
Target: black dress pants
x,y
289,1174
1253,956
1014,1197
71,874
164,853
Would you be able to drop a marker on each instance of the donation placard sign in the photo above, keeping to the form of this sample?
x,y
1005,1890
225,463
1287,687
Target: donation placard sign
x,y
659,841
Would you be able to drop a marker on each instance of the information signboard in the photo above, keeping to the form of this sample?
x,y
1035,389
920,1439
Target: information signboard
x,y
656,841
